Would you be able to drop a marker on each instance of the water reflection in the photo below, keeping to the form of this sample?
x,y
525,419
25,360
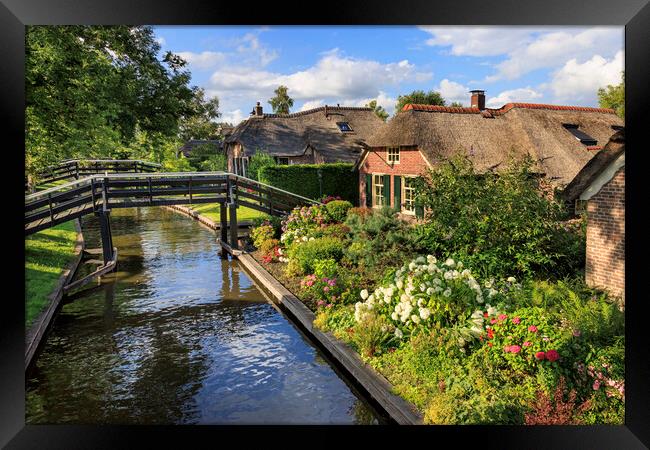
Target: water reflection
x,y
179,335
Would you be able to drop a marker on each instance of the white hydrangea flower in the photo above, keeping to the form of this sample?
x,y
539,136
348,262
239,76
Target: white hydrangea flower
x,y
423,287
394,316
430,291
398,333
491,310
447,292
448,275
450,262
511,279
479,299
431,259
415,319
364,294
399,284
425,313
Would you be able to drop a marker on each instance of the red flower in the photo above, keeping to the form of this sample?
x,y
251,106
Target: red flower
x,y
516,320
515,349
493,321
540,355
490,333
532,329
502,317
552,355
490,344
485,314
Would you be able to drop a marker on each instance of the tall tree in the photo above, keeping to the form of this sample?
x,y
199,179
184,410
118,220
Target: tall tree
x,y
96,91
420,98
281,103
379,111
613,97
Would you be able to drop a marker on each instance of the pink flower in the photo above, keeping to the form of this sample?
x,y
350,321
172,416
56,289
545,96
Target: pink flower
x,y
502,317
516,320
540,355
527,344
309,283
326,288
596,385
576,333
515,349
493,321
532,329
552,355
506,349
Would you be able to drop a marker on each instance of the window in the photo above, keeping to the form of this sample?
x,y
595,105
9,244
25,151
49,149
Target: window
x,y
408,195
344,126
244,166
283,161
393,155
583,137
618,127
378,198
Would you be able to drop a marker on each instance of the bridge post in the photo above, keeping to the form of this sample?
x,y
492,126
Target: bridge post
x,y
107,237
232,206
223,213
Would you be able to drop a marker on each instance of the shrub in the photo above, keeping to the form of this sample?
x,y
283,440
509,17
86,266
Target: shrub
x,y
274,221
329,198
268,246
556,410
302,256
324,285
338,210
258,162
360,211
337,320
336,230
499,225
261,234
301,222
302,179
372,334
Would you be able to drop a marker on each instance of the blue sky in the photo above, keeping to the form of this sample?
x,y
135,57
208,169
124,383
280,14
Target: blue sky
x,y
352,65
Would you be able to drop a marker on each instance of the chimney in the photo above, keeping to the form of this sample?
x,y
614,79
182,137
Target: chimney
x,y
258,110
478,99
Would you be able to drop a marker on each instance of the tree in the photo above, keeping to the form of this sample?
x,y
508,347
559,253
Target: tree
x,y
257,161
379,111
207,157
456,105
199,123
420,98
98,91
281,102
613,97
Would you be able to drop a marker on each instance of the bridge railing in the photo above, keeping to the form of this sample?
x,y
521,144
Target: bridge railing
x,y
123,190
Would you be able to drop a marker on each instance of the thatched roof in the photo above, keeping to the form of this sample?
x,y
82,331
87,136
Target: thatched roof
x,y
193,143
595,167
491,135
292,134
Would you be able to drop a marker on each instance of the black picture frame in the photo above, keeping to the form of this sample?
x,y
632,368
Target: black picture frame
x,y
633,14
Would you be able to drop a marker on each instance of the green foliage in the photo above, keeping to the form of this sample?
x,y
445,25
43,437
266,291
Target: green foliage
x,y
372,335
613,97
281,103
303,223
379,110
324,285
336,320
261,233
258,161
420,98
207,157
274,221
90,90
303,255
500,225
267,246
379,240
200,124
338,210
302,179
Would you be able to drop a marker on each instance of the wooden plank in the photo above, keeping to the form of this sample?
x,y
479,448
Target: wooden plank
x,y
103,270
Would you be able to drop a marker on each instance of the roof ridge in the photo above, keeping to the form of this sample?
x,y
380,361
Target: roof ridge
x,y
320,108
504,109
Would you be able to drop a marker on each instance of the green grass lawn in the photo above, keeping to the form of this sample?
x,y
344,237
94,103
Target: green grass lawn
x,y
47,254
211,211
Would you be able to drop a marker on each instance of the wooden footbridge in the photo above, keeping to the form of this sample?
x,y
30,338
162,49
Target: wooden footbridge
x,y
99,193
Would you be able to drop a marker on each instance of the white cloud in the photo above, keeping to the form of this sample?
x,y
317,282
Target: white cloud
x,y
556,48
452,91
526,94
312,104
579,82
233,117
250,45
477,41
203,60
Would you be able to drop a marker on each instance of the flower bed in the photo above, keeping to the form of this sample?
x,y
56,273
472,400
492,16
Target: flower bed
x,y
462,348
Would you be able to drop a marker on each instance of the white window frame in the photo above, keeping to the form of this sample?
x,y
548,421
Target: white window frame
x,y
374,190
404,209
395,157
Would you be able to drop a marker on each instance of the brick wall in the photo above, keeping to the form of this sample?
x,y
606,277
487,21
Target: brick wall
x,y
606,236
411,163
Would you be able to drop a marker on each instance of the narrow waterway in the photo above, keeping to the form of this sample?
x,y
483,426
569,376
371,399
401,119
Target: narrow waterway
x,y
180,336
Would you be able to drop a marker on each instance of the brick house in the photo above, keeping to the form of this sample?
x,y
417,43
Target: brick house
x,y
561,139
599,190
320,135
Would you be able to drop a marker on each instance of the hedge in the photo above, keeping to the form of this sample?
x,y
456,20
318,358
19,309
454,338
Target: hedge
x,y
302,179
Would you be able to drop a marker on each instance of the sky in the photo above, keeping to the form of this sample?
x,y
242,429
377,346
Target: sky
x,y
351,65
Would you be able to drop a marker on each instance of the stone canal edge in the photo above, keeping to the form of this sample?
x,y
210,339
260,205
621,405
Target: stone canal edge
x,y
374,385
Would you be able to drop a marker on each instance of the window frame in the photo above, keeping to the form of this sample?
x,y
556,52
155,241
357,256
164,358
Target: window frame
x,y
388,155
347,124
403,208
374,189
585,140
280,158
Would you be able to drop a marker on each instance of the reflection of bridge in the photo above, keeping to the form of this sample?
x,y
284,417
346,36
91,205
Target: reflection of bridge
x,y
98,194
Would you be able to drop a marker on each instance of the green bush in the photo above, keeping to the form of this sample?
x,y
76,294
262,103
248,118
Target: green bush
x,y
303,256
302,179
338,210
261,233
267,246
257,162
499,225
274,221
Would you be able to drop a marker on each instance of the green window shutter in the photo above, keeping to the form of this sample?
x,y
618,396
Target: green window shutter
x,y
397,202
386,190
369,190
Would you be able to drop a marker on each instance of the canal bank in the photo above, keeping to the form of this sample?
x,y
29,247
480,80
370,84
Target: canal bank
x,y
373,385
179,335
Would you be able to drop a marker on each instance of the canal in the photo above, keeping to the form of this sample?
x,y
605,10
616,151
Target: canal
x,y
178,335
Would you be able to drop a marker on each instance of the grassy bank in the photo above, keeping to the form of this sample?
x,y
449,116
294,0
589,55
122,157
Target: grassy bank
x,y
211,211
47,253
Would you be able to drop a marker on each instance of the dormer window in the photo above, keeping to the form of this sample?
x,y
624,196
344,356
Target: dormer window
x,y
580,135
344,126
393,155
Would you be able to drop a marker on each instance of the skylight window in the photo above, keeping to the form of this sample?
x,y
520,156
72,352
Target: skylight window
x,y
583,137
344,126
617,127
